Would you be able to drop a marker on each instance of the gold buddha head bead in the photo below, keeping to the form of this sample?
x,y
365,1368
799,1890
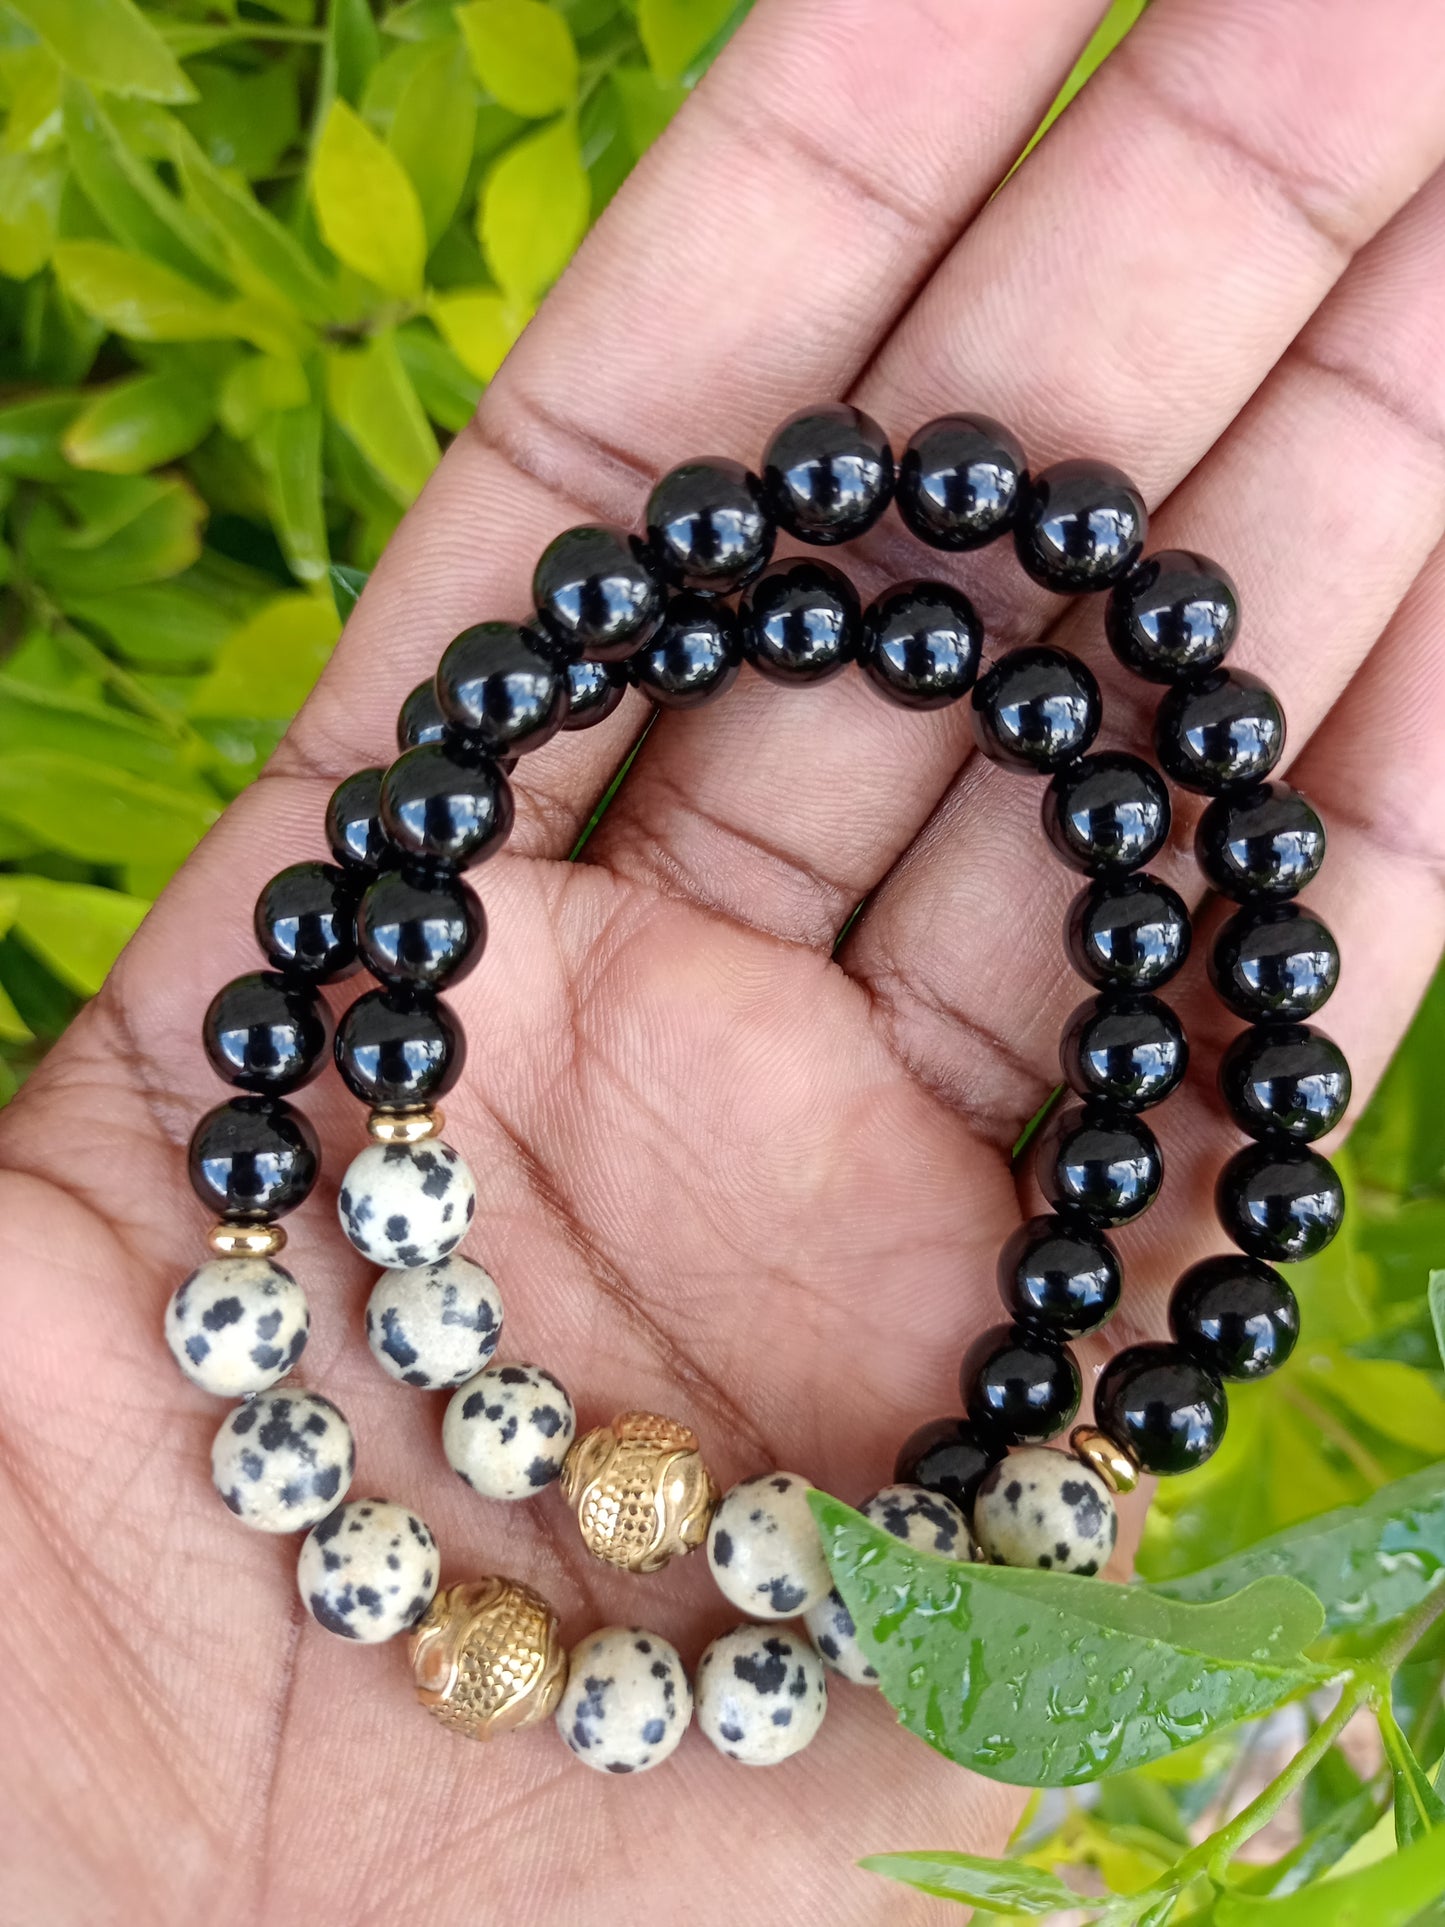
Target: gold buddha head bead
x,y
640,1490
488,1657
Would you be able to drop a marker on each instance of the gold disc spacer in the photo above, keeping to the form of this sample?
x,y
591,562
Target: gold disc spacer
x,y
487,1657
403,1127
1105,1456
229,1240
640,1490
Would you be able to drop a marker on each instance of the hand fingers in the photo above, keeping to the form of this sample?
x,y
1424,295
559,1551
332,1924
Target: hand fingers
x,y
1124,295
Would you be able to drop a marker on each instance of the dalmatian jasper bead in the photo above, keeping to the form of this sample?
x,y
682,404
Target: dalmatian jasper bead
x,y
924,1520
765,1549
283,1460
507,1430
761,1694
1042,1507
405,1205
237,1325
627,1702
434,1325
368,1571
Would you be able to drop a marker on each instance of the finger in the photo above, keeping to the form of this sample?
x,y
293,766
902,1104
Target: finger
x,y
1124,294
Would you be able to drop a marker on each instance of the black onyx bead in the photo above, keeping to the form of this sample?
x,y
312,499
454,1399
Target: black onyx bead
x,y
399,1048
1126,1048
1106,813
420,928
498,685
707,528
266,1033
694,656
921,644
946,1455
1060,1273
254,1158
1099,1160
442,806
1174,616
594,689
306,921
827,473
800,621
1127,933
1235,1316
420,719
1081,525
353,822
1285,1078
1036,709
1264,843
960,480
1224,732
596,594
1274,961
1161,1406
1279,1200
1018,1384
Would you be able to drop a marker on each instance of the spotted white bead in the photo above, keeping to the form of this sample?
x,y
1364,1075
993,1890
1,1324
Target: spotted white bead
x,y
435,1325
627,1701
507,1430
237,1325
283,1460
368,1571
405,1205
765,1549
922,1519
761,1694
1042,1507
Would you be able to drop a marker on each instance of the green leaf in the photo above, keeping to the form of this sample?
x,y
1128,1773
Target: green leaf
x,y
30,436
352,49
263,257
368,210
523,53
1399,1142
346,587
480,327
31,186
444,387
372,399
97,814
1394,1399
31,77
126,529
139,423
433,130
1046,1679
74,928
534,210
138,297
1388,1894
1418,1807
647,104
246,121
288,446
109,43
32,717
994,1886
258,386
419,20
676,32
268,666
1437,1308
178,624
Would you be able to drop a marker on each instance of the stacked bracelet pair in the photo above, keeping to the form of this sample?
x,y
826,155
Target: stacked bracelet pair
x,y
675,613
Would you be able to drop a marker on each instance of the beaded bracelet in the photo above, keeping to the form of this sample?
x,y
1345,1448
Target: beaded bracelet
x,y
657,613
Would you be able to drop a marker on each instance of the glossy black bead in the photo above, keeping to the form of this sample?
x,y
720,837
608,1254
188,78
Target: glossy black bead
x,y
420,719
1263,844
305,921
946,1455
1124,1047
1274,961
1127,933
1036,709
1162,1406
707,527
1080,526
827,473
499,686
596,593
253,1159
266,1033
1106,813
1279,1200
921,644
1174,616
960,481
399,1048
423,928
594,689
800,621
1223,732
694,656
1060,1273
353,822
443,806
1018,1384
1285,1078
1235,1316
1099,1160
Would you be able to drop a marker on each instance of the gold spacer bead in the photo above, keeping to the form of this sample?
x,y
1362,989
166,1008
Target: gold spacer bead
x,y
487,1657
1104,1455
229,1240
403,1127
640,1490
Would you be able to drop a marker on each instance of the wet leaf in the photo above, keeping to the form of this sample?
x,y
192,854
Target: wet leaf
x,y
523,54
367,208
140,423
109,43
74,928
100,815
534,210
993,1886
1388,1894
267,667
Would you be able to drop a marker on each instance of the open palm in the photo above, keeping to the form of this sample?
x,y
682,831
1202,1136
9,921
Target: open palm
x,y
723,1173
